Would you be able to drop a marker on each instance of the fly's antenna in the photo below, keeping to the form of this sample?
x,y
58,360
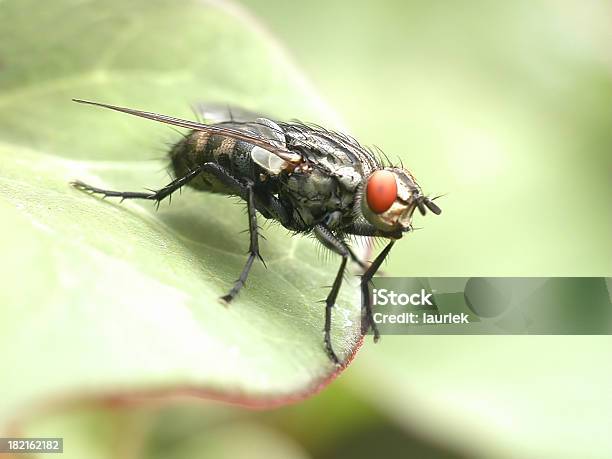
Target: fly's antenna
x,y
423,203
433,207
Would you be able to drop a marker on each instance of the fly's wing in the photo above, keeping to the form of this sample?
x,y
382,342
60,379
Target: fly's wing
x,y
266,159
215,113
265,135
253,123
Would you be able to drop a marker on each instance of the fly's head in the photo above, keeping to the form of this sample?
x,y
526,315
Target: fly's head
x,y
389,197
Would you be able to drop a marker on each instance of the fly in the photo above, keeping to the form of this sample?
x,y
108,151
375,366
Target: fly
x,y
306,177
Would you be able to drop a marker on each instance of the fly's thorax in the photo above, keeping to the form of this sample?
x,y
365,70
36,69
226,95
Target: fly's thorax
x,y
314,194
388,198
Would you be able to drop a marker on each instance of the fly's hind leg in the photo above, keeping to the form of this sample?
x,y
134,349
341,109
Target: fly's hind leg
x,y
157,196
233,185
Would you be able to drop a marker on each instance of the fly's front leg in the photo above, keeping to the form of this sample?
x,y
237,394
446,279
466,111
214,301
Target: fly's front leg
x,y
367,319
329,240
362,264
333,220
253,246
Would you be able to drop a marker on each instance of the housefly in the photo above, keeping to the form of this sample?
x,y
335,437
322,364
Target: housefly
x,y
310,179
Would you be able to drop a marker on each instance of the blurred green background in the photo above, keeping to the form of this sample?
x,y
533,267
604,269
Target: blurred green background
x,y
507,108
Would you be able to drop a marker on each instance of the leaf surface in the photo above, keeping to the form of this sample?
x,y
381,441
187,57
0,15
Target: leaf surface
x,y
101,298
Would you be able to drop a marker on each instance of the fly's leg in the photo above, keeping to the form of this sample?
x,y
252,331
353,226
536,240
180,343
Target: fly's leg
x,y
333,220
369,230
206,169
271,205
253,246
221,174
329,240
157,196
362,264
246,192
367,319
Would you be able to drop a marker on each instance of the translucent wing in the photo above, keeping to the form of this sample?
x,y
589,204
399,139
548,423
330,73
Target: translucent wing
x,y
213,112
266,159
251,123
271,144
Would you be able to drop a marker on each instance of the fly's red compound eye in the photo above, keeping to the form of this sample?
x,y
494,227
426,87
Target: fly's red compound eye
x,y
381,191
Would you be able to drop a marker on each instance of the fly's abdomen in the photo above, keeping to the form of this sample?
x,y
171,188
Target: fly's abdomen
x,y
199,147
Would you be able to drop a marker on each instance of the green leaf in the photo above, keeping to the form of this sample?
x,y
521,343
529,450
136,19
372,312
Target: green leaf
x,y
101,298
